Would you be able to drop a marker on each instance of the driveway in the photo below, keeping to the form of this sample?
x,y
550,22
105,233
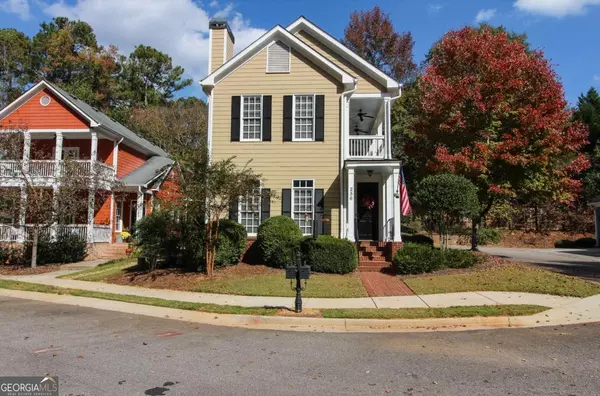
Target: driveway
x,y
583,263
95,352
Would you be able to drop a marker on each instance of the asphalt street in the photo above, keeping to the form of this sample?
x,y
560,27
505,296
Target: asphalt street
x,y
95,352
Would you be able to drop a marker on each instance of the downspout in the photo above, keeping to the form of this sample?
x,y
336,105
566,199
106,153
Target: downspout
x,y
343,220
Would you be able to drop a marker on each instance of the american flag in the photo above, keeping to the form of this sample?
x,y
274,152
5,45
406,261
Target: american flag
x,y
405,208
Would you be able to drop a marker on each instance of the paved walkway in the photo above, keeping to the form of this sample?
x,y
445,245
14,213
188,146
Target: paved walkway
x,y
407,301
379,284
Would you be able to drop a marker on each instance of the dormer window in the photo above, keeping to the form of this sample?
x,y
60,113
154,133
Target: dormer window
x,y
278,58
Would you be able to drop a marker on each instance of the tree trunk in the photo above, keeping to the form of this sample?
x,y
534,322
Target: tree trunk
x,y
34,247
474,235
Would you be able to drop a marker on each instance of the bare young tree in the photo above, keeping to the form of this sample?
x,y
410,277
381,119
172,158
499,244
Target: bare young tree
x,y
43,199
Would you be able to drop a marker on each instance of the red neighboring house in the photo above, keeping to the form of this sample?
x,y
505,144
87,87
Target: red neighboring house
x,y
59,125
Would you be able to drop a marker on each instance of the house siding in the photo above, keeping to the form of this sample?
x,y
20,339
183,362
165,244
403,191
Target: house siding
x,y
366,84
218,43
102,213
281,162
129,160
32,115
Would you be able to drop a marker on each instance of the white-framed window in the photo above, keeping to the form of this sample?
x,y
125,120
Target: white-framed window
x,y
249,211
278,58
70,152
303,198
304,117
251,116
119,217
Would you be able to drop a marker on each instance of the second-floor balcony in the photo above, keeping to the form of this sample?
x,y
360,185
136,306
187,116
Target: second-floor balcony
x,y
367,134
50,169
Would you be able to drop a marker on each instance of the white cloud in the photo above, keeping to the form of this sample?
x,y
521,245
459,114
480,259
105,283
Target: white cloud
x,y
555,8
214,4
176,27
433,8
19,7
597,78
485,15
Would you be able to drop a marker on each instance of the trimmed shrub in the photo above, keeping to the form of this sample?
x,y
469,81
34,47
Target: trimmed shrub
x,y
417,238
12,255
329,255
414,258
231,244
486,236
67,248
579,243
277,238
157,235
455,258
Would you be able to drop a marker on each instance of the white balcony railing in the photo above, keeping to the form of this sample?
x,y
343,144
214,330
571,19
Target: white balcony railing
x,y
47,168
367,147
13,233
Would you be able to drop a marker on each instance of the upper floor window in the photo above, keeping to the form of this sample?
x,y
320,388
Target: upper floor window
x,y
304,117
303,193
251,118
278,58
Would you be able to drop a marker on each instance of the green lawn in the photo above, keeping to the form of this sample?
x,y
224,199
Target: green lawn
x,y
102,271
374,313
504,278
275,285
425,313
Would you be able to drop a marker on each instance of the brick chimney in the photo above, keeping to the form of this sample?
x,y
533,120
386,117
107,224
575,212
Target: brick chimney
x,y
221,43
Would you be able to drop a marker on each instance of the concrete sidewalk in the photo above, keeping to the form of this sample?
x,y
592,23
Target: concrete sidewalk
x,y
418,301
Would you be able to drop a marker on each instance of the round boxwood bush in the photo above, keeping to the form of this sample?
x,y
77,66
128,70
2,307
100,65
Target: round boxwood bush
x,y
416,258
277,238
330,255
231,243
486,236
417,238
455,258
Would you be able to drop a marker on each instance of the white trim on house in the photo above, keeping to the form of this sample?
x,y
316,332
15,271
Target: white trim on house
x,y
210,39
209,133
259,139
225,47
289,51
33,91
294,138
278,33
304,24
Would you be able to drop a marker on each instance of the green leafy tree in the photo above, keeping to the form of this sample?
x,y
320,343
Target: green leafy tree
x,y
149,77
445,201
14,64
587,111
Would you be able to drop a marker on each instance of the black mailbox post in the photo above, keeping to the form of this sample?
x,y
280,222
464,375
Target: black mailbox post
x,y
298,272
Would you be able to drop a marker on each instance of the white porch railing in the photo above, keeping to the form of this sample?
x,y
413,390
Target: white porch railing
x,y
367,147
9,233
47,168
41,168
102,233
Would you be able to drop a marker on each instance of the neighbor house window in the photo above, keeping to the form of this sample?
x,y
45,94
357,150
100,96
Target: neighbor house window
x,y
304,117
303,194
251,117
249,211
119,217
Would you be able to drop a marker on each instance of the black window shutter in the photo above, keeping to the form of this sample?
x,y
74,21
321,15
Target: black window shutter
x,y
265,204
233,210
235,118
286,202
319,210
287,118
266,118
320,118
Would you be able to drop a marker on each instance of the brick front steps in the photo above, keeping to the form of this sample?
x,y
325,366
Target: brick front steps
x,y
107,251
372,257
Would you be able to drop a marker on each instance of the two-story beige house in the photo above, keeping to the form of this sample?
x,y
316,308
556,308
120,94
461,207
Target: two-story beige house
x,y
314,119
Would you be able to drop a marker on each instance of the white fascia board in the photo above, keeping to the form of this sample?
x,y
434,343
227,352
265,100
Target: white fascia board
x,y
273,35
34,90
304,24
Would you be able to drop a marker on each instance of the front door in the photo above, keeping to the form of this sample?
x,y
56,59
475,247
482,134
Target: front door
x,y
367,202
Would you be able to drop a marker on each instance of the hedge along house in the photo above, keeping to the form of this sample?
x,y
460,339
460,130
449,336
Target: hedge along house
x,y
59,125
314,118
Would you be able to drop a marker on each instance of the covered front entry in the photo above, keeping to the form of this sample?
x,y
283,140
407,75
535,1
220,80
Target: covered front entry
x,y
370,202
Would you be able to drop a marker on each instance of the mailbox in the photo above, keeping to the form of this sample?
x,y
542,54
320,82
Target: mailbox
x,y
304,271
290,272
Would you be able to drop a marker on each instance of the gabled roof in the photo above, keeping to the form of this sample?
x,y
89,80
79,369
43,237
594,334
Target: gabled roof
x,y
278,33
94,117
304,24
148,172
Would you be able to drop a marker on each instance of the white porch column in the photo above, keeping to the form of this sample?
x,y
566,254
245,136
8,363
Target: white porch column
x,y
26,151
397,212
140,205
387,119
389,207
22,215
93,151
111,217
351,220
58,154
54,226
90,219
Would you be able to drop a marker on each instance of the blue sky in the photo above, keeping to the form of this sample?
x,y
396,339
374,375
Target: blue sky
x,y
565,29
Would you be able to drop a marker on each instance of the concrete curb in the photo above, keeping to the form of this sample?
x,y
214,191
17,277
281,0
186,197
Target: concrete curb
x,y
284,323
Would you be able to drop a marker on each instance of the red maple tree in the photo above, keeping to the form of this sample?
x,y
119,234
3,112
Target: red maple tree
x,y
495,112
371,35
